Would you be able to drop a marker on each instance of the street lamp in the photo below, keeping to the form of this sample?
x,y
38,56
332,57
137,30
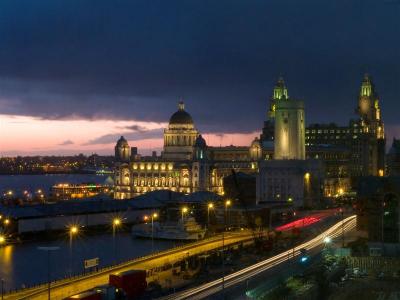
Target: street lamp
x,y
6,222
115,223
153,216
2,289
73,230
184,211
48,250
227,204
209,206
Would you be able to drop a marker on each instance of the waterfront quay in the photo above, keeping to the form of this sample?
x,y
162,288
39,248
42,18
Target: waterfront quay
x,y
154,265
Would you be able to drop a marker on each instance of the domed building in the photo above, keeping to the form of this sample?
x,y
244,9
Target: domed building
x,y
180,136
185,165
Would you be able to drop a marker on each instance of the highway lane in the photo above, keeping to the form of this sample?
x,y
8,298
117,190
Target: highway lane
x,y
67,287
214,287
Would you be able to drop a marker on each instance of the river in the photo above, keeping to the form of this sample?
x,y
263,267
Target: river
x,y
23,264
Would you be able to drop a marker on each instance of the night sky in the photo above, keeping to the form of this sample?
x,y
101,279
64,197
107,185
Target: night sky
x,y
75,75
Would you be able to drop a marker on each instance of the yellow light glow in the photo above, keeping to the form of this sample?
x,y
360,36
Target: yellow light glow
x,y
73,230
380,173
155,215
145,218
2,239
210,205
116,222
184,209
6,221
341,191
307,176
228,202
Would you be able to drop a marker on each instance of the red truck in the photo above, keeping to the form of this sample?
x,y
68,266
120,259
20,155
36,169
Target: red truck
x,y
132,282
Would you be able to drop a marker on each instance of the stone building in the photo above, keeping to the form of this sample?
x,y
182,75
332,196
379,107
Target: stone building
x,y
187,164
289,177
349,151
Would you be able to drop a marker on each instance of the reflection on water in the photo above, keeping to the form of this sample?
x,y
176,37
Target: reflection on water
x,y
6,253
24,264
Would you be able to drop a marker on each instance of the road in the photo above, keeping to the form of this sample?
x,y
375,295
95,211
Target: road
x,y
216,286
64,288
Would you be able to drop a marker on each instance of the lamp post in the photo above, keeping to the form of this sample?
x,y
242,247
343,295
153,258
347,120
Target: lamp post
x,y
209,206
48,250
227,204
153,216
327,241
115,224
2,289
73,230
184,211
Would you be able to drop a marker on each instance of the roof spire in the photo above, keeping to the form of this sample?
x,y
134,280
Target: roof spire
x,y
181,105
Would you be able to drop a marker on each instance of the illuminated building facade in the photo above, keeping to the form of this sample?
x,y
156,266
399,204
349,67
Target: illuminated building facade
x,y
289,177
289,130
348,152
185,165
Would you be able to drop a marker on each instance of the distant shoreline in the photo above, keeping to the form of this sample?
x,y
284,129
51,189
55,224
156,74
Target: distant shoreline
x,y
51,173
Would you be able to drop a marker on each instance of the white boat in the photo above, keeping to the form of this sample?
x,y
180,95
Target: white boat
x,y
189,230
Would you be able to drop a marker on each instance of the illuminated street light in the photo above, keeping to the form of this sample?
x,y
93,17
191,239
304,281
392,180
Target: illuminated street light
x,y
209,206
227,204
327,240
73,230
115,223
2,239
6,222
184,211
153,216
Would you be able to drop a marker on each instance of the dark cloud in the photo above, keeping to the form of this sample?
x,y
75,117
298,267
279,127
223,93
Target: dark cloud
x,y
66,143
133,60
130,136
137,128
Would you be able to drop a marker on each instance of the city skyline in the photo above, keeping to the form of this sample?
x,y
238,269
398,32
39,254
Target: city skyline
x,y
91,77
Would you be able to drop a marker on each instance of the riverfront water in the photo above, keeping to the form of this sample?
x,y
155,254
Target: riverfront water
x,y
23,264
